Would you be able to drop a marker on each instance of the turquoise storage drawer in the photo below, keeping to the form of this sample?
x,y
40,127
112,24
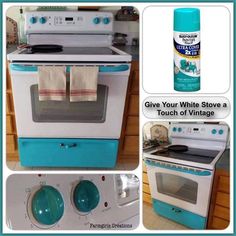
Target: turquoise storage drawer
x,y
37,152
179,215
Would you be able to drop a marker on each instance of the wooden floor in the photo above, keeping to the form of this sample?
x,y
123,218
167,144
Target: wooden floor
x,y
15,165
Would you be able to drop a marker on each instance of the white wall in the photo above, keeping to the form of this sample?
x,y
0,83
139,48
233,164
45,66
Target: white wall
x,y
14,12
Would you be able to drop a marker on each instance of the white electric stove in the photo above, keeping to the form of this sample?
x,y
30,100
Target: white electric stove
x,y
91,130
181,174
72,202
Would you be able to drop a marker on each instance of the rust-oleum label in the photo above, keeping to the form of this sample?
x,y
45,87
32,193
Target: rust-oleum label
x,y
186,61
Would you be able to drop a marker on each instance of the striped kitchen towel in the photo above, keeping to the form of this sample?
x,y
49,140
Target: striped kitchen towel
x,y
83,83
52,83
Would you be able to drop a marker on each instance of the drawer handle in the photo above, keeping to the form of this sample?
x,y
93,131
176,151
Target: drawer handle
x,y
176,210
63,145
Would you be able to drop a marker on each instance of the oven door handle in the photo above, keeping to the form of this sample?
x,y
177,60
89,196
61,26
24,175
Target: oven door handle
x,y
179,169
106,69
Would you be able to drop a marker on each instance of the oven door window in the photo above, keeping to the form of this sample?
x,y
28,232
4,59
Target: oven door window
x,y
177,187
66,111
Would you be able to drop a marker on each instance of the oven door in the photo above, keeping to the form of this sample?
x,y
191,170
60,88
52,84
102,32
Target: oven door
x,y
180,186
53,119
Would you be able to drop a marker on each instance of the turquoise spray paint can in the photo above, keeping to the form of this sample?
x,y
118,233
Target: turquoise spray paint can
x,y
187,49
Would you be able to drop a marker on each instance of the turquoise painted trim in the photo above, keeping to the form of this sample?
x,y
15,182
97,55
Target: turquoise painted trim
x,y
192,172
119,68
179,215
16,67
40,152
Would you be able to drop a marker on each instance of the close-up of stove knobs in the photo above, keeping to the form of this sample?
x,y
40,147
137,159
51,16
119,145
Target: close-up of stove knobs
x,y
86,196
33,20
42,20
47,205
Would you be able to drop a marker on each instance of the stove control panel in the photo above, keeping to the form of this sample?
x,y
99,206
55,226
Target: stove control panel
x,y
217,132
71,202
68,22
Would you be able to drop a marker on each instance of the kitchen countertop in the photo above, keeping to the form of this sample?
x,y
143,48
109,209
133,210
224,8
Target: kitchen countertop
x,y
223,162
132,50
11,48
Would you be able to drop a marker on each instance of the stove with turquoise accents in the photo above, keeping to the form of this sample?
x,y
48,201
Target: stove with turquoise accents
x,y
181,175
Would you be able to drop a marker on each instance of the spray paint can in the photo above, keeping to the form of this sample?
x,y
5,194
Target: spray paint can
x,y
187,49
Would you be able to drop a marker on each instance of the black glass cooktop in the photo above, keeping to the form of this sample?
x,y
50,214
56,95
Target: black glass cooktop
x,y
192,154
77,51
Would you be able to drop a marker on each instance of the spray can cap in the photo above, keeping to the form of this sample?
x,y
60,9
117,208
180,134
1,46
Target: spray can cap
x,y
186,19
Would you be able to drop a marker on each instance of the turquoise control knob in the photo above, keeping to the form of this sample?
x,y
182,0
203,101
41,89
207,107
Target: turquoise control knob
x,y
179,129
214,131
47,205
33,20
96,20
221,131
106,20
42,20
174,129
86,196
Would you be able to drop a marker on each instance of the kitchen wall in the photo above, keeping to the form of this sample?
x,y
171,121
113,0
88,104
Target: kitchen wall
x,y
131,28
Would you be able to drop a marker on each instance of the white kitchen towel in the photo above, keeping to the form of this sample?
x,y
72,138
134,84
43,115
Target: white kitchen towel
x,y
83,83
52,83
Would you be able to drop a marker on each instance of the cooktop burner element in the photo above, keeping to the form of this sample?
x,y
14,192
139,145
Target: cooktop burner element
x,y
178,148
191,154
59,50
45,48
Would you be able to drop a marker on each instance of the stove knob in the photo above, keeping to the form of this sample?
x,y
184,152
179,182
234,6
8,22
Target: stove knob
x,y
214,131
86,196
221,131
106,20
47,205
96,20
179,129
42,20
33,20
174,129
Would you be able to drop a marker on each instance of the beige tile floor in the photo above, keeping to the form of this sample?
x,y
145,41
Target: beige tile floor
x,y
153,221
16,166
